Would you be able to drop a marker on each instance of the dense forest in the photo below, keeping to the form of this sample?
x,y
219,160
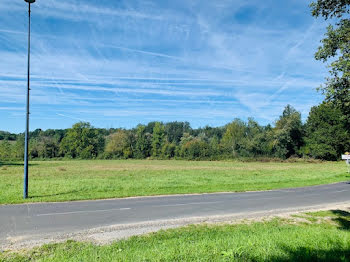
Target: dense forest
x,y
325,135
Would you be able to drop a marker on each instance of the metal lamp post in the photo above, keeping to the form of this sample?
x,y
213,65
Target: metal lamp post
x,y
25,188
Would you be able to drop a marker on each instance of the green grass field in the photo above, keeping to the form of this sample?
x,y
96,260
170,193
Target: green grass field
x,y
321,236
97,179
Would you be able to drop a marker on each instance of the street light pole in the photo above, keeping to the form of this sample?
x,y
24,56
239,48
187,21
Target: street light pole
x,y
26,142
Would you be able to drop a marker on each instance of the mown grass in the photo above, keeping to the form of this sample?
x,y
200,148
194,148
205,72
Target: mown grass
x,y
328,239
97,179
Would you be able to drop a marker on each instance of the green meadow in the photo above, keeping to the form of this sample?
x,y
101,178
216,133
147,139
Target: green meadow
x,y
98,179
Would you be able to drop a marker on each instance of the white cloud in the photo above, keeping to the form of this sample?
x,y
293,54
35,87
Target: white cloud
x,y
159,57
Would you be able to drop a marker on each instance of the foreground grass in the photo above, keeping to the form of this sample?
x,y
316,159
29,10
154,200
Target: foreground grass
x,y
326,239
96,179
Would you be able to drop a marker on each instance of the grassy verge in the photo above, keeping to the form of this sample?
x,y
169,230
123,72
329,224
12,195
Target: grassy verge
x,y
96,179
326,238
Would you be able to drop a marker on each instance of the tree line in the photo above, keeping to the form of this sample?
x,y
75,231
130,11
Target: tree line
x,y
325,135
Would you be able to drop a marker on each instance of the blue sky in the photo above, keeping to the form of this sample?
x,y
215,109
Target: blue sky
x,y
120,63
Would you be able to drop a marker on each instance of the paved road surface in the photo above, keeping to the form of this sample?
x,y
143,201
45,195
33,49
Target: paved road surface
x,y
24,221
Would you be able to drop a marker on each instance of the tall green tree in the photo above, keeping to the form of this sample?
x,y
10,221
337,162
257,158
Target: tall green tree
x,y
158,139
168,150
44,147
288,133
234,136
326,134
82,141
175,130
335,47
119,145
143,142
257,142
194,148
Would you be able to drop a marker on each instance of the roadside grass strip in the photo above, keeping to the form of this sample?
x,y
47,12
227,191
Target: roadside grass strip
x,y
327,238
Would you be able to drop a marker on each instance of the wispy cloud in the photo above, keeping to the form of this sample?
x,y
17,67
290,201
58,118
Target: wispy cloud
x,y
206,63
71,117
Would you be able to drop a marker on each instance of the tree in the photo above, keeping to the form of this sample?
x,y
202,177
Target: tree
x,y
44,147
18,147
326,134
194,149
5,150
215,149
7,136
175,130
158,139
210,132
336,47
257,142
118,145
56,134
149,127
288,133
82,141
168,150
234,135
143,142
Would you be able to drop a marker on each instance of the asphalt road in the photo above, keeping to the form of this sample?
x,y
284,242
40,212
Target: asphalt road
x,y
42,219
